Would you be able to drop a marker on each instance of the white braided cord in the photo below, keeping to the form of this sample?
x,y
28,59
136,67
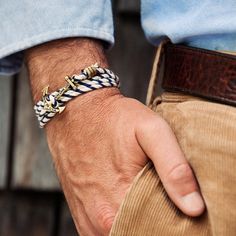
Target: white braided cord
x,y
103,78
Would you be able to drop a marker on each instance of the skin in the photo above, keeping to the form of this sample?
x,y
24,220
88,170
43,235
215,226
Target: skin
x,y
103,139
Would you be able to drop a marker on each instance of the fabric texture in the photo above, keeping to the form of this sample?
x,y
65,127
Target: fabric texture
x,y
27,23
209,24
206,132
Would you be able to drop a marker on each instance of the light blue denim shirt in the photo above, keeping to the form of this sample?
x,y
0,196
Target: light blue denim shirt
x,y
208,24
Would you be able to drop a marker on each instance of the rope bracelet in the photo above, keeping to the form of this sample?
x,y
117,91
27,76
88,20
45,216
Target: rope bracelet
x,y
90,78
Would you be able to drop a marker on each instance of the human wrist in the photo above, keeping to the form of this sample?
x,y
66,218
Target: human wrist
x,y
85,109
49,63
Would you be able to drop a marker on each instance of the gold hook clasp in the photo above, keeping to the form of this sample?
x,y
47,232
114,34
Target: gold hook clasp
x,y
91,71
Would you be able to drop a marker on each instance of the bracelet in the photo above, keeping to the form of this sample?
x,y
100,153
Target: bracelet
x,y
91,78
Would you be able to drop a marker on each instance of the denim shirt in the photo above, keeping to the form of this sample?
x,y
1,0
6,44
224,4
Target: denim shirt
x,y
208,24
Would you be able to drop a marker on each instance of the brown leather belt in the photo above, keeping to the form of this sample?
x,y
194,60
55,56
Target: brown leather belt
x,y
200,72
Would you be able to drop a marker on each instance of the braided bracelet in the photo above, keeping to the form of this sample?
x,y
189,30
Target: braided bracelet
x,y
91,78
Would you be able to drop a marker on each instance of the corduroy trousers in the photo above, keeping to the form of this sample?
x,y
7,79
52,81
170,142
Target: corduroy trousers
x,y
206,132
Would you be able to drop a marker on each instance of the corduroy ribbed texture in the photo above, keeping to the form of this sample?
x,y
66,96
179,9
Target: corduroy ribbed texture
x,y
206,133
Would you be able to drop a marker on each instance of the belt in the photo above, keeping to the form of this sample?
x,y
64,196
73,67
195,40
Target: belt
x,y
204,73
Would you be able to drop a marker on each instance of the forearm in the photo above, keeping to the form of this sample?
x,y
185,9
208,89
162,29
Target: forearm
x,y
49,63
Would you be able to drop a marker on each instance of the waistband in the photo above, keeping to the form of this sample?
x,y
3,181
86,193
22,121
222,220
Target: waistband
x,y
193,71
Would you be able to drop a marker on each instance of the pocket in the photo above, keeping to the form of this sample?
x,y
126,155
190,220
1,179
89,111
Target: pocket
x,y
147,211
135,204
206,132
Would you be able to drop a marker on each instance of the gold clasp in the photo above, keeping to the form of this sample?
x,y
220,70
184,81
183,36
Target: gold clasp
x,y
70,82
91,71
48,105
45,91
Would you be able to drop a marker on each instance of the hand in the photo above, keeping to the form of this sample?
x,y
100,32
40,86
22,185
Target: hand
x,y
99,146
103,139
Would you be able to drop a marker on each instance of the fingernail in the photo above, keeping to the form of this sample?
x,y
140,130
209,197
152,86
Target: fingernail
x,y
194,203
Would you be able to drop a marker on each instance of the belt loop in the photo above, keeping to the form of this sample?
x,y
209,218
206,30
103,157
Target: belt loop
x,y
155,73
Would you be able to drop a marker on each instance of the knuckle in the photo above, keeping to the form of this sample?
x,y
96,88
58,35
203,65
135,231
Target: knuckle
x,y
105,217
180,174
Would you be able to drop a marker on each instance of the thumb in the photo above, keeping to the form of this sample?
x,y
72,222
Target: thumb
x,y
160,145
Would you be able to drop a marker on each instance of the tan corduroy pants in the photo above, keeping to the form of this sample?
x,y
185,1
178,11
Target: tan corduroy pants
x,y
206,132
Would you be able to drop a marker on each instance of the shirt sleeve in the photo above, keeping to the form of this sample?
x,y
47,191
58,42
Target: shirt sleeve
x,y
206,24
27,23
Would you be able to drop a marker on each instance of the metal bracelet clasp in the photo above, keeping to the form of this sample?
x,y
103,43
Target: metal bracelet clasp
x,y
91,71
50,102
